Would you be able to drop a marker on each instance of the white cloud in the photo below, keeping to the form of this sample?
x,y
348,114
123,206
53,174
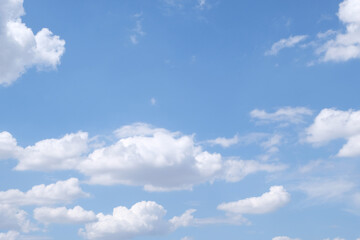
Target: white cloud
x,y
224,142
62,215
326,189
202,4
59,192
159,160
268,202
285,43
14,219
236,170
11,235
20,48
54,154
143,218
351,148
8,146
155,158
284,238
286,115
137,31
331,124
344,46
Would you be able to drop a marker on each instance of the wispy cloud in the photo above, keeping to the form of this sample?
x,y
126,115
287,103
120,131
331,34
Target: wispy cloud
x,y
137,31
285,43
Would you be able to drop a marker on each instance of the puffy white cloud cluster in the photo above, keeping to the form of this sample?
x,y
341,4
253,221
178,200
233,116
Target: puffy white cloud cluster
x,y
54,154
155,158
143,218
345,46
59,192
268,202
20,48
62,215
331,124
8,146
13,218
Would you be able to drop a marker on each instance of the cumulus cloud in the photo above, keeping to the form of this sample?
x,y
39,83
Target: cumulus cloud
x,y
331,124
54,154
8,146
14,219
285,43
141,155
21,48
224,142
293,115
284,238
143,218
59,192
344,46
11,235
62,215
157,159
270,201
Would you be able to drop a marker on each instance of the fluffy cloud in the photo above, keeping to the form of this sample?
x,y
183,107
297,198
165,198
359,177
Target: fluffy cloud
x,y
20,47
344,46
285,43
331,124
159,160
143,218
141,155
62,215
59,192
8,146
14,219
284,238
54,154
284,115
268,202
11,235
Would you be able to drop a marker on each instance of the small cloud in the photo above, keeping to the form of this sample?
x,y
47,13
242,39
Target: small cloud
x,y
153,101
137,31
224,142
285,115
285,43
202,4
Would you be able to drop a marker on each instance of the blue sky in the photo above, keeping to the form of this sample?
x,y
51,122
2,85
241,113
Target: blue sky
x,y
179,120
